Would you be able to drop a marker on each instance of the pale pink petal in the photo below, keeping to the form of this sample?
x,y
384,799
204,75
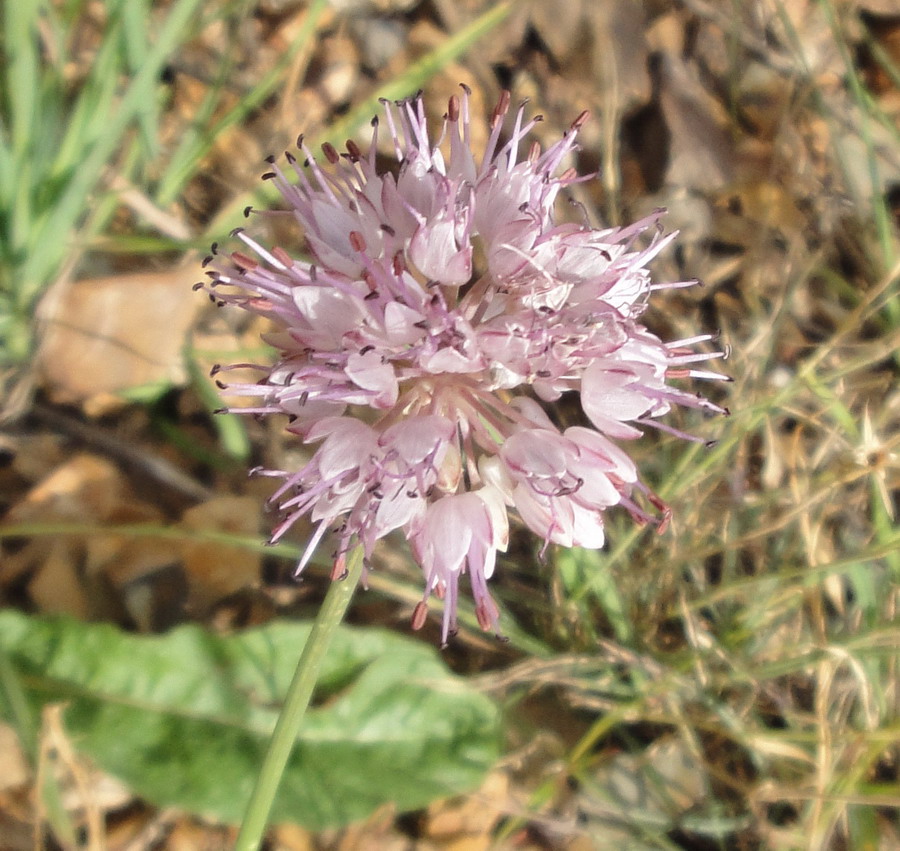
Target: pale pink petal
x,y
400,324
416,438
434,251
370,372
609,395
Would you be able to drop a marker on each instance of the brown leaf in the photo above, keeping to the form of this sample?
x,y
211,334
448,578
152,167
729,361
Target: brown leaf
x,y
560,25
701,155
56,588
106,335
14,769
65,568
469,821
215,570
620,52
86,487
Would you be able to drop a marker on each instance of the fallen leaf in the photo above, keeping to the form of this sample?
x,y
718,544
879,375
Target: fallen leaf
x,y
468,823
63,570
701,156
103,336
215,570
14,770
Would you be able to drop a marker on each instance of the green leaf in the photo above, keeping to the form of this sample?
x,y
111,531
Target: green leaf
x,y
184,718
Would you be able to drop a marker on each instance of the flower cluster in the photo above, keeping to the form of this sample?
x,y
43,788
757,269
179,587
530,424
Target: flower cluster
x,y
442,305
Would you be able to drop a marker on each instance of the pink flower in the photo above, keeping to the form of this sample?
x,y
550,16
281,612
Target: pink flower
x,y
446,301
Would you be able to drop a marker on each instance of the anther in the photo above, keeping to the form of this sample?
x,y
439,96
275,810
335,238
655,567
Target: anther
x,y
664,522
420,615
339,569
501,108
243,261
331,153
282,256
482,613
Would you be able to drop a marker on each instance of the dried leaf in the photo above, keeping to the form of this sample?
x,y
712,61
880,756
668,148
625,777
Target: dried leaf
x,y
620,55
14,771
215,570
106,335
86,490
701,156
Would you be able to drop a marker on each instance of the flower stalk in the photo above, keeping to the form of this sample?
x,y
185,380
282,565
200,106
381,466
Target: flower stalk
x,y
297,700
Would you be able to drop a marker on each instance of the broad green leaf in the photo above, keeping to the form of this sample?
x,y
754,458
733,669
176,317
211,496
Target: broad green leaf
x,y
184,718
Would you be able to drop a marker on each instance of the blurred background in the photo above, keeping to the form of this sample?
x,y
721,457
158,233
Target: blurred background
x,y
729,684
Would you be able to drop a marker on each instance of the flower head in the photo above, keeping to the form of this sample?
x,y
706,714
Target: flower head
x,y
441,305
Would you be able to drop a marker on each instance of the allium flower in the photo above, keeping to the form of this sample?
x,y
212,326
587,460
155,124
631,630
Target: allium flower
x,y
442,305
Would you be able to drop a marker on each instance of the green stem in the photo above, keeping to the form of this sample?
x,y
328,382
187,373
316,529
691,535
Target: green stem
x,y
296,702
